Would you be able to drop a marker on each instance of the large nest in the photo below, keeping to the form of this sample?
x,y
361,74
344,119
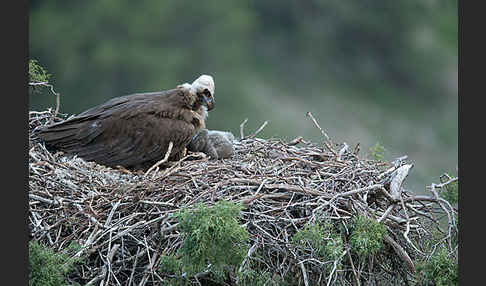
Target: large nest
x,y
124,221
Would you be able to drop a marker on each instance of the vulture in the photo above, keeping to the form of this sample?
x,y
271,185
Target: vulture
x,y
134,131
216,144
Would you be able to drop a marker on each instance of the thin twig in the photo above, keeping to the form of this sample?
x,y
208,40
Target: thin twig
x,y
165,159
258,130
304,274
242,125
354,269
318,126
46,84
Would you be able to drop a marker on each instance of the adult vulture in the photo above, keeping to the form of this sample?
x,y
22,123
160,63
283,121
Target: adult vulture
x,y
134,131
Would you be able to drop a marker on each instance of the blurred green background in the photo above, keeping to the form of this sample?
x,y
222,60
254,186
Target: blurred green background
x,y
369,71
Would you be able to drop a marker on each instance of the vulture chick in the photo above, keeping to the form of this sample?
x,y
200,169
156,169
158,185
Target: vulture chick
x,y
134,131
216,144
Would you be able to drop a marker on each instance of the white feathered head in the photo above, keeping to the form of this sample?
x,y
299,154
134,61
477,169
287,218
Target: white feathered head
x,y
203,86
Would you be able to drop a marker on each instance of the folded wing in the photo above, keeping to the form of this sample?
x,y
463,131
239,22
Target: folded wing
x,y
133,131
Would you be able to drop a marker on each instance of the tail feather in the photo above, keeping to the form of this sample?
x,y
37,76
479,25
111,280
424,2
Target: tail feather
x,y
70,134
53,136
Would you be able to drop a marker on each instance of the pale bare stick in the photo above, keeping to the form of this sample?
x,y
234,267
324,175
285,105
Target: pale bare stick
x,y
58,100
166,157
242,125
317,125
304,274
441,203
328,141
400,252
250,252
258,130
342,151
354,269
39,198
110,216
405,234
133,268
295,141
334,267
386,213
397,181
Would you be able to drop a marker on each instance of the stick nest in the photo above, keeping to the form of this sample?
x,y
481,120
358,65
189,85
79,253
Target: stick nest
x,y
124,221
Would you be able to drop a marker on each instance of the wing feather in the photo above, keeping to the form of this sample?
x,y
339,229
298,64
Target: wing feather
x,y
131,131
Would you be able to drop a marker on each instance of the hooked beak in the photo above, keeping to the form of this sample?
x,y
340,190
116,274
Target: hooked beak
x,y
208,100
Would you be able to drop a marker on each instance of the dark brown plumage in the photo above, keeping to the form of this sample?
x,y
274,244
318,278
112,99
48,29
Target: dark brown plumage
x,y
134,131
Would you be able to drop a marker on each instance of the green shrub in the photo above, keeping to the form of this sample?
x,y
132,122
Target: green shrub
x,y
37,74
366,236
48,267
377,152
323,239
251,277
439,270
212,235
171,266
451,192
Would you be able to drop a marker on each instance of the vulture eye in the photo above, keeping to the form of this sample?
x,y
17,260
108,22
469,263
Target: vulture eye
x,y
207,93
207,99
